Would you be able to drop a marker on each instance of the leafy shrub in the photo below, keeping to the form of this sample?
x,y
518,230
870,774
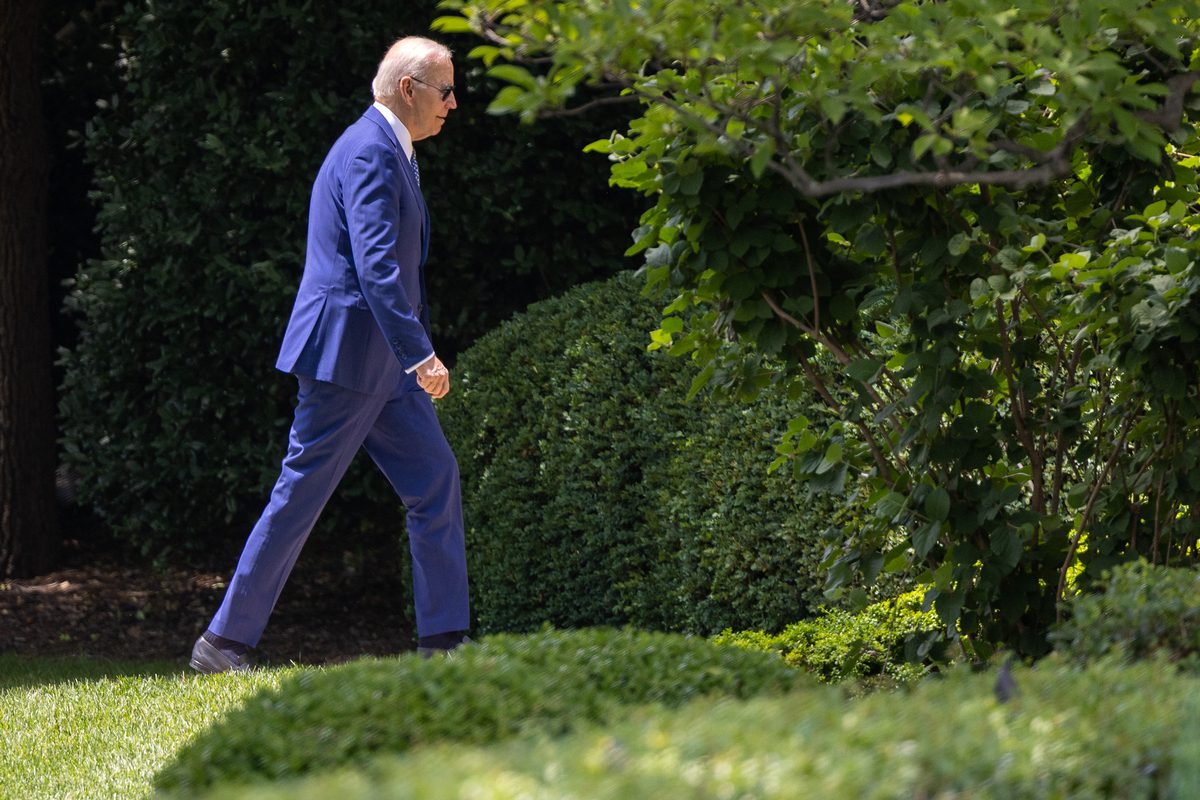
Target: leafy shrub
x,y
885,640
595,493
204,157
1033,367
1143,610
1108,731
552,681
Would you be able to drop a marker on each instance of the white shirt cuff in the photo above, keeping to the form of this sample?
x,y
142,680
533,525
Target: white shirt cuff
x,y
417,366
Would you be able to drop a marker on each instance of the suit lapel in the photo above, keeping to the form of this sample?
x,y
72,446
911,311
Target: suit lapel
x,y
373,114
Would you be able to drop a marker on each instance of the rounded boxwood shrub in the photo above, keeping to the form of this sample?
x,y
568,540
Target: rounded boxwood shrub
x,y
1142,610
596,493
550,681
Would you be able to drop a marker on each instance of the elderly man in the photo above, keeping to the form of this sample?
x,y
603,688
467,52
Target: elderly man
x,y
358,342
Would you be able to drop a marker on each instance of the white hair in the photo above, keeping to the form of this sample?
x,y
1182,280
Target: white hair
x,y
411,55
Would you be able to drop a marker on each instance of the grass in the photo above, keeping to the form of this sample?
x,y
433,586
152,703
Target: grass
x,y
83,728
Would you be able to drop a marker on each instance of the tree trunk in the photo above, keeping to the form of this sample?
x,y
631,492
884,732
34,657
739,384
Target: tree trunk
x,y
28,528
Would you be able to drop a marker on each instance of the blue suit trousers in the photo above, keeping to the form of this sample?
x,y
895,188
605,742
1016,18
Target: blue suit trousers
x,y
401,433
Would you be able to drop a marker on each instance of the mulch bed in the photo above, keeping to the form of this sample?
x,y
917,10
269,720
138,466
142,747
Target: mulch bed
x,y
95,606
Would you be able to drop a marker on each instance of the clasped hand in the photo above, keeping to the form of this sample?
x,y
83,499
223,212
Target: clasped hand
x,y
434,378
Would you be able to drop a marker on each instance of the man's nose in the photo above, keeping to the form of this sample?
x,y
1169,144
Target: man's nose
x,y
451,101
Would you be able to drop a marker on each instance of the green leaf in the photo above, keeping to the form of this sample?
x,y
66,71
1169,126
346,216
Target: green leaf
x,y
832,457
949,607
881,155
701,380
959,244
937,504
1006,545
925,538
890,505
599,146
864,369
508,100
870,240
760,159
451,25
1177,260
689,185
513,74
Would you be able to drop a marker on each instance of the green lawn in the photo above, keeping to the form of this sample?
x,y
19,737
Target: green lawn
x,y
80,728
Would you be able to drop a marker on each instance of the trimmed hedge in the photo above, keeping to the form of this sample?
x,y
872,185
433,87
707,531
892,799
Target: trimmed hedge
x,y
204,157
1108,731
888,640
1144,610
549,681
595,493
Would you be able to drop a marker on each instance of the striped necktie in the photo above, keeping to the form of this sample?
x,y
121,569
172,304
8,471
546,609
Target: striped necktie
x,y
416,170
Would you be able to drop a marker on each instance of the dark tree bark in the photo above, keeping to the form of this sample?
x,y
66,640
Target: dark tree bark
x,y
28,528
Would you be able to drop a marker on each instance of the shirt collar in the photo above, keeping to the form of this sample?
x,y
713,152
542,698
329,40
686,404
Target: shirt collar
x,y
402,134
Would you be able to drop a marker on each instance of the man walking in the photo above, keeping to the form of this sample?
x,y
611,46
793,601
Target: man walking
x,y
358,342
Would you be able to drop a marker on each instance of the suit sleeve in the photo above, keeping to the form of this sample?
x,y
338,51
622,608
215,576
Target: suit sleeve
x,y
373,203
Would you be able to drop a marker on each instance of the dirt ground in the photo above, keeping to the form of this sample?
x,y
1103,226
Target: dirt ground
x,y
330,611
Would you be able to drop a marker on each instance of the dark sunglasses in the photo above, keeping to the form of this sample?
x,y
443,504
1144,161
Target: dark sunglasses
x,y
445,90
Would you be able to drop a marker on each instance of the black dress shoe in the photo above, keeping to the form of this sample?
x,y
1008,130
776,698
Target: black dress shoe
x,y
212,654
444,650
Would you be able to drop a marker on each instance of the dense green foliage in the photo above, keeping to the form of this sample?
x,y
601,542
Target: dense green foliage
x,y
985,212
596,493
886,641
1108,731
552,681
204,156
1144,611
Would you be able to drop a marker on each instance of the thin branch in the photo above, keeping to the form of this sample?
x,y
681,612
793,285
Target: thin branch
x,y
1060,437
1087,514
1020,408
885,469
1019,178
786,317
1169,115
588,106
833,347
812,278
1055,163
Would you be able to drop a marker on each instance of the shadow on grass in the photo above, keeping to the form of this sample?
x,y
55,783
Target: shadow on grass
x,y
17,671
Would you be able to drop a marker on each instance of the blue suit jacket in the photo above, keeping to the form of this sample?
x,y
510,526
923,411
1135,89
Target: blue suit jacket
x,y
360,316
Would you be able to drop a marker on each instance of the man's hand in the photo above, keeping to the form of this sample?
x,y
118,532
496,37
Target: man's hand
x,y
434,378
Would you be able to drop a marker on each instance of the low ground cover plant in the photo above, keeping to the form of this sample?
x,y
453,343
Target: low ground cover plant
x,y
1067,733
551,681
889,640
